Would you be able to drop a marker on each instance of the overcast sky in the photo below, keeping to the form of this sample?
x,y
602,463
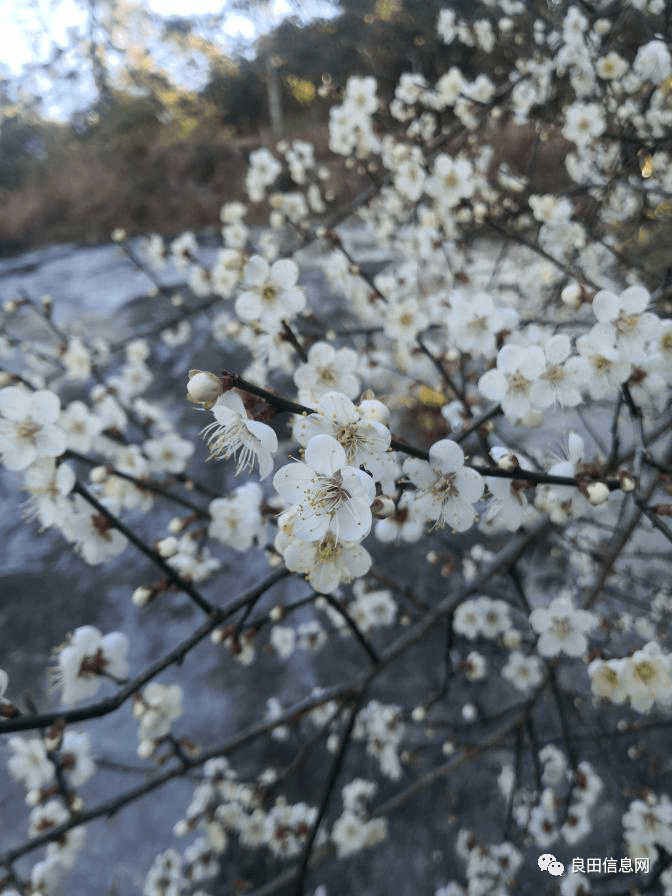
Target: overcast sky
x,y
14,44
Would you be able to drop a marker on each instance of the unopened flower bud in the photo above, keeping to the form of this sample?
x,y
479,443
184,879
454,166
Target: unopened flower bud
x,y
571,295
141,596
145,749
419,714
382,507
168,547
98,475
597,493
374,410
204,387
627,480
34,797
469,712
508,462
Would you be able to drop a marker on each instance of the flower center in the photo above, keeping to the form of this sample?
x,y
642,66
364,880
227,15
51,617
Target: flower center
x,y
269,293
610,676
556,373
627,323
445,486
562,628
349,439
28,429
518,383
327,549
645,671
330,494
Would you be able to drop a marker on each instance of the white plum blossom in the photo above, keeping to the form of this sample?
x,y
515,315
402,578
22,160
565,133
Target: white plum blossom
x,y
607,679
623,319
404,320
647,677
564,502
168,453
653,61
48,485
29,762
609,367
364,438
29,426
370,609
583,123
234,434
270,292
351,833
86,659
283,641
407,523
510,383
482,616
563,377
236,520
451,181
446,489
611,66
446,25
193,560
155,710
360,94
327,370
562,628
508,506
80,425
263,170
475,320
327,494
524,672
93,534
74,757
328,562
184,249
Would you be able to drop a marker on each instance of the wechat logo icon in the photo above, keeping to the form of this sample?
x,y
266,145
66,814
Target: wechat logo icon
x,y
548,862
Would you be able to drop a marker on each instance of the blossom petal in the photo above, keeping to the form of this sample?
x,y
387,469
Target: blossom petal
x,y
352,520
284,273
446,456
325,455
293,481
606,306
